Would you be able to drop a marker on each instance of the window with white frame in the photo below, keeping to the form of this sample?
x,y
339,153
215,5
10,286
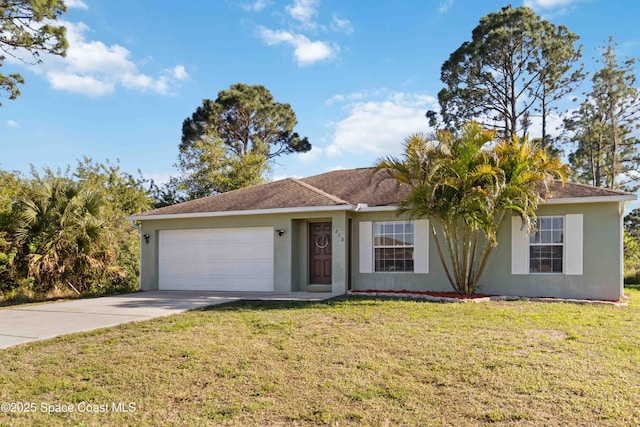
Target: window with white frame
x,y
393,246
546,246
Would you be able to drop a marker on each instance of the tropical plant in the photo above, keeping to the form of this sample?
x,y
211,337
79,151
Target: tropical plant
x,y
124,195
467,183
12,184
65,237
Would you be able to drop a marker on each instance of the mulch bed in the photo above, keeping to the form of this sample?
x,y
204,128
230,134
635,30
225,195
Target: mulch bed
x,y
428,293
454,297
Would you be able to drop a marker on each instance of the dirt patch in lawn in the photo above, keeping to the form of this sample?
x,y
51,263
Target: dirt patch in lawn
x,y
552,334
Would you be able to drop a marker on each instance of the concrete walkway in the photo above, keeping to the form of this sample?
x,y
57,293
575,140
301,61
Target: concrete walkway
x,y
21,324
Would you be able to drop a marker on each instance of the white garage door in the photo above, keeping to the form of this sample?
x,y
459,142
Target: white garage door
x,y
223,259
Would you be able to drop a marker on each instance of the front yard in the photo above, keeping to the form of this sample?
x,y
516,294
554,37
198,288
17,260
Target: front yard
x,y
349,361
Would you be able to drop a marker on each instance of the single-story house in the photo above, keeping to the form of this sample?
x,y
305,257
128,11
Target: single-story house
x,y
340,230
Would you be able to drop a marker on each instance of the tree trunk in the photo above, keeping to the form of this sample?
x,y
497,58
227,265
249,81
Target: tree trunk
x,y
514,109
614,146
544,121
442,260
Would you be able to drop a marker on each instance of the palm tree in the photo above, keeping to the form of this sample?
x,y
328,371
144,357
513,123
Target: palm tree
x,y
466,187
64,234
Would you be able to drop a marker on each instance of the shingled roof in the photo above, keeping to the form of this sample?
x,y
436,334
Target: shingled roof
x,y
572,190
346,188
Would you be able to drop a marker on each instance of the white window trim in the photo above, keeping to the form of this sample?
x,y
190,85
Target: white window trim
x,y
574,242
412,246
573,253
366,247
563,244
421,236
519,247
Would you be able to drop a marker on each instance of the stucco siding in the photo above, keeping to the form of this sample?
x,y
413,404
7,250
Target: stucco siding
x,y
601,271
601,277
290,269
435,280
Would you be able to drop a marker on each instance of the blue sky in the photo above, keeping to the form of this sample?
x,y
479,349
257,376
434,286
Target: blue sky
x,y
359,74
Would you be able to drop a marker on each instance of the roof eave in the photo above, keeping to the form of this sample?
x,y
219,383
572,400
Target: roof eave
x,y
561,201
356,208
596,199
242,212
388,208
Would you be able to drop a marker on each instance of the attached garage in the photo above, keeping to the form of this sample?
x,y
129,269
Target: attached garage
x,y
221,259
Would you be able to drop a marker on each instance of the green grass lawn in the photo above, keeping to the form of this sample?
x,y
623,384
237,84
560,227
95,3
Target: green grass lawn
x,y
350,361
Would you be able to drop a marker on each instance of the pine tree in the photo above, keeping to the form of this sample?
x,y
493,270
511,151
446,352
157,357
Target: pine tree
x,y
606,153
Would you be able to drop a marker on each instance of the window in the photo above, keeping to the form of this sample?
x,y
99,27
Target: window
x,y
393,245
546,246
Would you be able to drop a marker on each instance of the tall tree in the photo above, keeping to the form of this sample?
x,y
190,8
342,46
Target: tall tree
x,y
603,127
632,223
632,245
558,74
28,31
228,143
208,167
590,158
514,64
467,188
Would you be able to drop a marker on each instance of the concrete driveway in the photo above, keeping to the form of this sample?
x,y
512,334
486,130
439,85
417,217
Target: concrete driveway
x,y
21,324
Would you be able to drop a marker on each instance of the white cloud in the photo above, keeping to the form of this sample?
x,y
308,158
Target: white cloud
x,y
548,4
554,124
304,11
306,52
335,98
76,4
94,56
12,123
179,72
445,6
311,155
145,83
281,177
93,68
303,14
380,126
85,85
350,97
256,6
342,25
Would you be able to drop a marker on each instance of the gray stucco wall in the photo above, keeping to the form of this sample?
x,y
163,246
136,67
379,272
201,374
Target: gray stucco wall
x,y
602,265
601,278
602,259
290,249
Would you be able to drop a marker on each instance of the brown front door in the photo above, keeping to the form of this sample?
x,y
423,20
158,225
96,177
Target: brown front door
x,y
320,253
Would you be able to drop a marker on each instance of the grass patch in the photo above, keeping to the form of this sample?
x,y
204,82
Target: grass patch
x,y
350,361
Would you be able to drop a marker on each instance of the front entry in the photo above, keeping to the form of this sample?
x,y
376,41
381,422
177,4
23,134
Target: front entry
x,y
320,253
